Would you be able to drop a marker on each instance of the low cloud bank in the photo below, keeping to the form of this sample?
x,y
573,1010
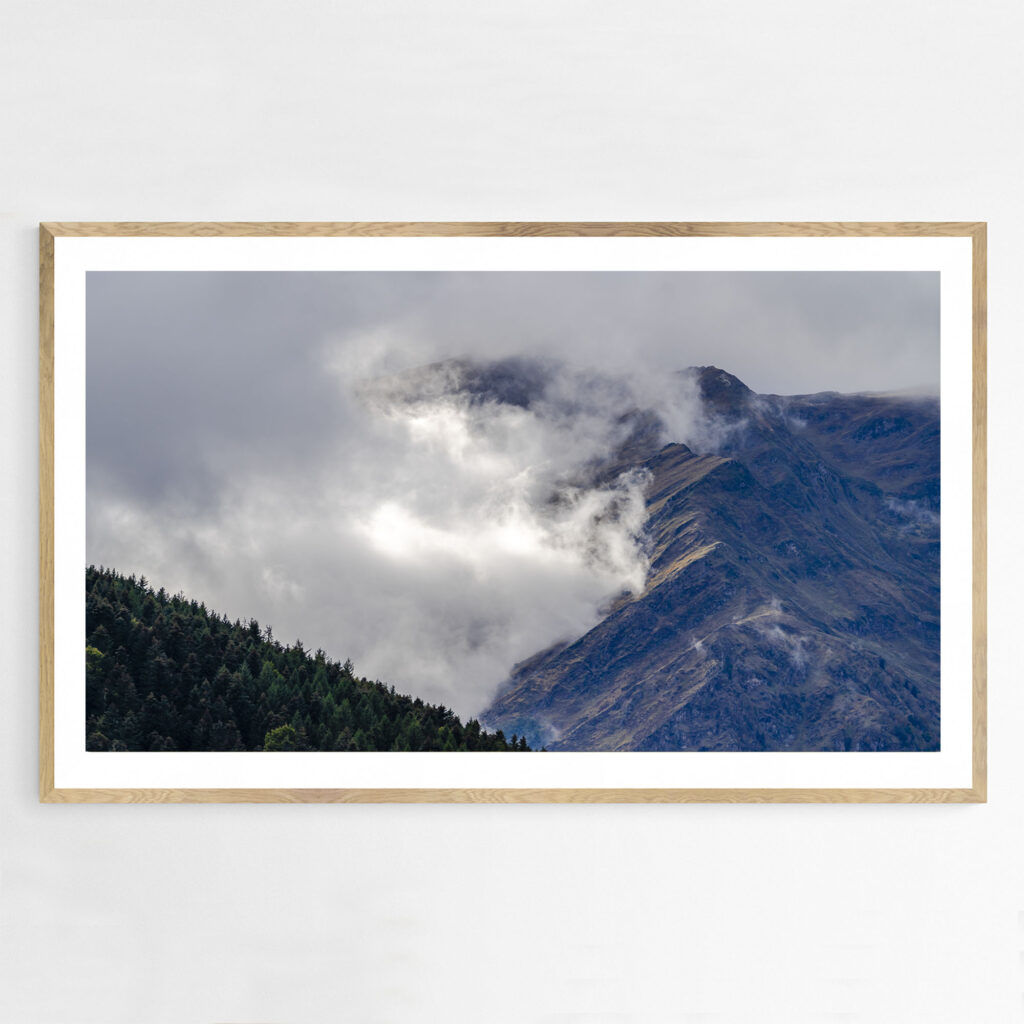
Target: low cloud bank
x,y
457,524
272,444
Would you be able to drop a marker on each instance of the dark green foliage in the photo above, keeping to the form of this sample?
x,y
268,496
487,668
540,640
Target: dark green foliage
x,y
284,737
165,673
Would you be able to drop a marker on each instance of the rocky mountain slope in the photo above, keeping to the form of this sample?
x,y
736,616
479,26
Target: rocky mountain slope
x,y
792,601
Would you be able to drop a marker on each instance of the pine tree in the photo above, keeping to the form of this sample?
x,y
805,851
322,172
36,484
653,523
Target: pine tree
x,y
163,672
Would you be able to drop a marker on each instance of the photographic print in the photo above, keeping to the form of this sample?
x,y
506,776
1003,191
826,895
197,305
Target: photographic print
x,y
664,514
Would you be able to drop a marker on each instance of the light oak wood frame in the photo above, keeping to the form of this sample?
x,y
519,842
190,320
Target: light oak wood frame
x,y
51,230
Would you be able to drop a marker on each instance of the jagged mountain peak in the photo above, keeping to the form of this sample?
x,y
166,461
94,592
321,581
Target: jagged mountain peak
x,y
524,380
792,599
722,391
515,380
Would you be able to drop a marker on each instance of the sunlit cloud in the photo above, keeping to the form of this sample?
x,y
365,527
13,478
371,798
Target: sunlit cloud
x,y
270,444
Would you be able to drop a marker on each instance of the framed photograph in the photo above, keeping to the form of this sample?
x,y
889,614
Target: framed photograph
x,y
512,512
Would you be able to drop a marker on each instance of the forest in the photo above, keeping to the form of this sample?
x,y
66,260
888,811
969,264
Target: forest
x,y
165,673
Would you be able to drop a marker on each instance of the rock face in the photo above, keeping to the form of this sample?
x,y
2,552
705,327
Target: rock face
x,y
792,601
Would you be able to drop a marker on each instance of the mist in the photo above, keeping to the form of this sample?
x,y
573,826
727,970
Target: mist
x,y
271,444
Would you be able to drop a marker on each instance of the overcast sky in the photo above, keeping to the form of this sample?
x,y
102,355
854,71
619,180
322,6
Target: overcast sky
x,y
230,455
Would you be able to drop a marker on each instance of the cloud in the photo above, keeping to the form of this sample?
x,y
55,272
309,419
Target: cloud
x,y
436,547
266,443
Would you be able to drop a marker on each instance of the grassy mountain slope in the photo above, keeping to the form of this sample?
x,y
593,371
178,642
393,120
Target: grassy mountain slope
x,y
792,601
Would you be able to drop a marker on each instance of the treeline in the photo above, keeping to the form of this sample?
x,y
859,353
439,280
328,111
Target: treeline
x,y
165,673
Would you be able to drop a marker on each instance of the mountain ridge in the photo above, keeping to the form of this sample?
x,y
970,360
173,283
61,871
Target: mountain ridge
x,y
792,597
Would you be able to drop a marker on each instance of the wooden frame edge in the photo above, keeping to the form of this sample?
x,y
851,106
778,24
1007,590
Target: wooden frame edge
x,y
502,796
695,229
50,230
46,513
979,509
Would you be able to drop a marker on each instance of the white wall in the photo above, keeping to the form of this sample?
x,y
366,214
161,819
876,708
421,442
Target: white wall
x,y
218,110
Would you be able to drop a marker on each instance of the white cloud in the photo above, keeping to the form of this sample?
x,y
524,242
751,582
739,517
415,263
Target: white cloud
x,y
236,453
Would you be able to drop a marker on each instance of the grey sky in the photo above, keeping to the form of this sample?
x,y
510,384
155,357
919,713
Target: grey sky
x,y
229,456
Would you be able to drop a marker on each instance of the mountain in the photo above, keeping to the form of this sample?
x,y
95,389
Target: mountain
x,y
514,381
164,673
792,600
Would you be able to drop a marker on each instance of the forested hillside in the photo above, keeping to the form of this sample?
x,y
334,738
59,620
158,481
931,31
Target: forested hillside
x,y
165,673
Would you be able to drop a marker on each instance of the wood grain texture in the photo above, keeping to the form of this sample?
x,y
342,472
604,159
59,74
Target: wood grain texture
x,y
775,229
46,509
509,796
979,513
514,229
